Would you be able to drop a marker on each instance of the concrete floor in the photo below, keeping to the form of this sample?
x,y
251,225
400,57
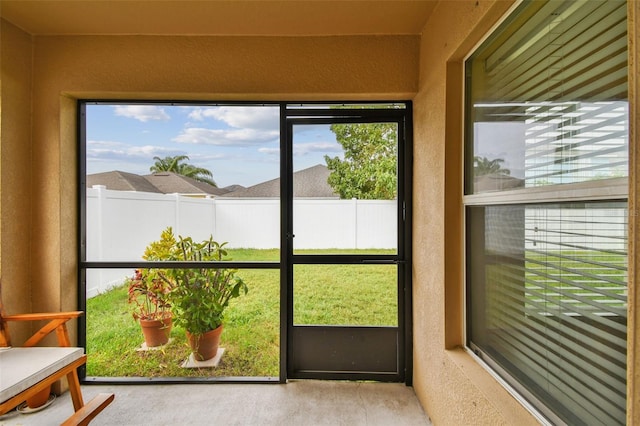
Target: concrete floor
x,y
308,402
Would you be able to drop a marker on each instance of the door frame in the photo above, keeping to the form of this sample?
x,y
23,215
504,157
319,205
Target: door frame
x,y
301,345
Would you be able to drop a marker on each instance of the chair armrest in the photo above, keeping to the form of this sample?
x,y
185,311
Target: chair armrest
x,y
42,316
57,323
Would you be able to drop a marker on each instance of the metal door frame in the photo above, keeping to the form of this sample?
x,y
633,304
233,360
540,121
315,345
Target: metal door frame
x,y
302,346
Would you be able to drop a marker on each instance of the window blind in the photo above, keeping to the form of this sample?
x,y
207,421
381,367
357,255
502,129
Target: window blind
x,y
566,51
555,313
558,74
546,282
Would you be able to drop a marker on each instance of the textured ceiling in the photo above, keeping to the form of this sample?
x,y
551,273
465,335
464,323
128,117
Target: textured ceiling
x,y
218,17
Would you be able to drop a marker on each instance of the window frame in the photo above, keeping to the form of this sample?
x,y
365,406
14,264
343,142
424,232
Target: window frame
x,y
371,112
610,189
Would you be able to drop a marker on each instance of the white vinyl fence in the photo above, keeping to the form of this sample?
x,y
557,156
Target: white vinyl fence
x,y
120,224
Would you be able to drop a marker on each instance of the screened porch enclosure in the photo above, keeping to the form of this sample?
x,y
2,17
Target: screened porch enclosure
x,y
269,192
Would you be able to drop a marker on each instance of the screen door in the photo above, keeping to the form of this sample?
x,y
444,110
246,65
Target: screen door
x,y
346,254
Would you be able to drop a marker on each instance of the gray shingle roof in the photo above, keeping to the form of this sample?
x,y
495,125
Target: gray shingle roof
x,y
163,183
496,182
121,181
307,183
232,188
170,183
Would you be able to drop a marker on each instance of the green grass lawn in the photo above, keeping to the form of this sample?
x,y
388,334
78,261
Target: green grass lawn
x,y
324,294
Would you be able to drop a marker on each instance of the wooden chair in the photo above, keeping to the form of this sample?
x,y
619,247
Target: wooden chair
x,y
27,372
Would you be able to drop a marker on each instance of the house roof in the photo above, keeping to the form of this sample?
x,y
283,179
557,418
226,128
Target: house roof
x,y
232,188
307,183
169,183
496,182
121,181
164,183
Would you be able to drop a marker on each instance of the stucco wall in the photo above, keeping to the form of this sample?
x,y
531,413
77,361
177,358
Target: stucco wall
x,y
15,172
38,158
452,387
218,68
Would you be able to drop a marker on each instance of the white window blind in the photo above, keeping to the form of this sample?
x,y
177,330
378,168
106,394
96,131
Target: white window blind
x,y
547,112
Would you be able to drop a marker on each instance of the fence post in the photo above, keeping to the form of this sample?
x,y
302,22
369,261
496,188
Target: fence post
x,y
177,223
354,203
214,217
99,218
102,194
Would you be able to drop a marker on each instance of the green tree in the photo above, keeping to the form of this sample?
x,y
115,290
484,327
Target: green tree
x,y
484,166
369,168
177,165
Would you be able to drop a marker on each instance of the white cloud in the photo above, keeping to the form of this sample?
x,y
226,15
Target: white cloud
x,y
142,113
219,137
317,147
269,151
110,150
241,117
302,149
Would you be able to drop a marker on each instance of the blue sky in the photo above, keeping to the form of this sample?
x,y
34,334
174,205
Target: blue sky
x,y
239,144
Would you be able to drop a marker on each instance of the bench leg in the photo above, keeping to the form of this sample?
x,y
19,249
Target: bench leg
x,y
74,390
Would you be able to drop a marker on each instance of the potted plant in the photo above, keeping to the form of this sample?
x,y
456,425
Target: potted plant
x,y
201,295
149,291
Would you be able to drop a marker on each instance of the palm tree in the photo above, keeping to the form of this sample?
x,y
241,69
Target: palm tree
x,y
176,165
484,166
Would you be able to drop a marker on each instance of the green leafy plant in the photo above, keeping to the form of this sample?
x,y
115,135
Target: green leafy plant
x,y
201,295
149,296
149,289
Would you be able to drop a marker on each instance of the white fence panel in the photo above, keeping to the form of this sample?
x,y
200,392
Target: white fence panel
x,y
322,224
376,224
195,217
248,223
120,224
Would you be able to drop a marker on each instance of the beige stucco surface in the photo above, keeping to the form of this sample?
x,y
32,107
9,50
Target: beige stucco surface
x,y
42,76
15,171
454,389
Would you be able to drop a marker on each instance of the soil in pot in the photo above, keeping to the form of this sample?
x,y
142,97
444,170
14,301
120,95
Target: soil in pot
x,y
156,332
205,346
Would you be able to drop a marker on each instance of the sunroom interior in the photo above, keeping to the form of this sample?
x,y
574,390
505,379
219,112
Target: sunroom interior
x,y
57,54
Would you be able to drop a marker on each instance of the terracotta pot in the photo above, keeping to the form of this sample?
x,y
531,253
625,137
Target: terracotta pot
x,y
40,398
205,346
156,332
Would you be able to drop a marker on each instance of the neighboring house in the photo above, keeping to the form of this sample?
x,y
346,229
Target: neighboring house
x,y
173,183
232,188
496,182
163,183
121,181
307,183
